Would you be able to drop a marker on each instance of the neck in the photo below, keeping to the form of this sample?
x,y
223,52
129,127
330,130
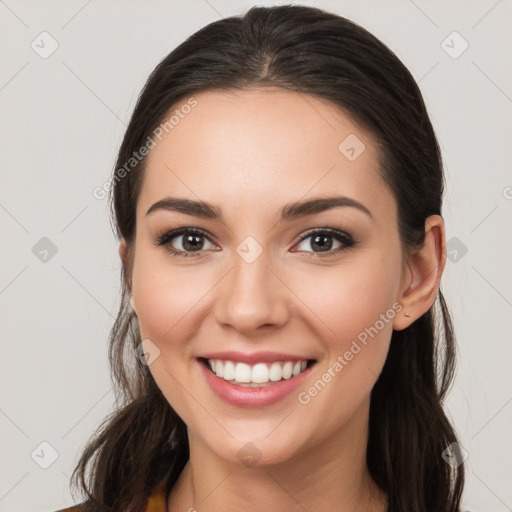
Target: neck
x,y
330,476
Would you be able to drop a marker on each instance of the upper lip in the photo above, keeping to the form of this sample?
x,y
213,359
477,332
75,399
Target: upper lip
x,y
254,357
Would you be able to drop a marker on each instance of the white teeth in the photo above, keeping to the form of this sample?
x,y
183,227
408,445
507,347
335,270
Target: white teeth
x,y
219,368
228,372
259,373
275,372
287,370
242,373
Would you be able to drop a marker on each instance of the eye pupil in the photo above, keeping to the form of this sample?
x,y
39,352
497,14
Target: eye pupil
x,y
192,242
324,246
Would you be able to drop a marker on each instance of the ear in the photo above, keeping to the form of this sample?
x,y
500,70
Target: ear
x,y
123,250
422,275
124,254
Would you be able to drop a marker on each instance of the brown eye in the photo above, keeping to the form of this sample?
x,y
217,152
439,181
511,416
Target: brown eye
x,y
192,242
184,241
327,241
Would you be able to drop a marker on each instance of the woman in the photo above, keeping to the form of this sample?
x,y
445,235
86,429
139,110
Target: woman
x,y
282,341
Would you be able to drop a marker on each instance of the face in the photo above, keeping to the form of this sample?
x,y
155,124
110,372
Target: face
x,y
268,322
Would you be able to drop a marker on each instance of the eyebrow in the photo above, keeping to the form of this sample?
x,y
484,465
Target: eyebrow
x,y
288,212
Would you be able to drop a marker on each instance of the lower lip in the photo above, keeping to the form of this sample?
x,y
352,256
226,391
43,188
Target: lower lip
x,y
242,396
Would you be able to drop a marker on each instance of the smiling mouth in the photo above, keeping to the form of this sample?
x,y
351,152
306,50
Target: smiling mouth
x,y
256,375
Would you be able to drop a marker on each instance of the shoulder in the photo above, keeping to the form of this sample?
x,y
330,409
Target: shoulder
x,y
156,502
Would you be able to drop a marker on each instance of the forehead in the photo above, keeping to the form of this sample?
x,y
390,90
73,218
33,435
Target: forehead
x,y
261,148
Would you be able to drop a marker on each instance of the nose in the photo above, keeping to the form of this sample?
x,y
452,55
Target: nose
x,y
252,297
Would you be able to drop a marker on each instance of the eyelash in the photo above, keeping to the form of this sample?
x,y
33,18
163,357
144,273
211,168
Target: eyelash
x,y
345,238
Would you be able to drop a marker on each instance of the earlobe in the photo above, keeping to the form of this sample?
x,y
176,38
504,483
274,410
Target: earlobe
x,y
126,259
122,250
425,266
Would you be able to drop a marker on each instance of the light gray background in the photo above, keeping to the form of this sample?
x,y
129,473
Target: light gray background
x,y
62,121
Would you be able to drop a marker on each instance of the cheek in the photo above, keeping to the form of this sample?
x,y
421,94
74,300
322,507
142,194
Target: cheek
x,y
354,309
353,298
167,299
168,302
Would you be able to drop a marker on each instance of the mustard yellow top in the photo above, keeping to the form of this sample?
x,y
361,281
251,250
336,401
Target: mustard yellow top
x,y
155,503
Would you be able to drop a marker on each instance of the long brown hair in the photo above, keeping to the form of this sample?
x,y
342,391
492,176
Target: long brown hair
x,y
303,49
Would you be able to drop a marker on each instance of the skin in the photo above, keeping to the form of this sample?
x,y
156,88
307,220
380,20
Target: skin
x,y
249,153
